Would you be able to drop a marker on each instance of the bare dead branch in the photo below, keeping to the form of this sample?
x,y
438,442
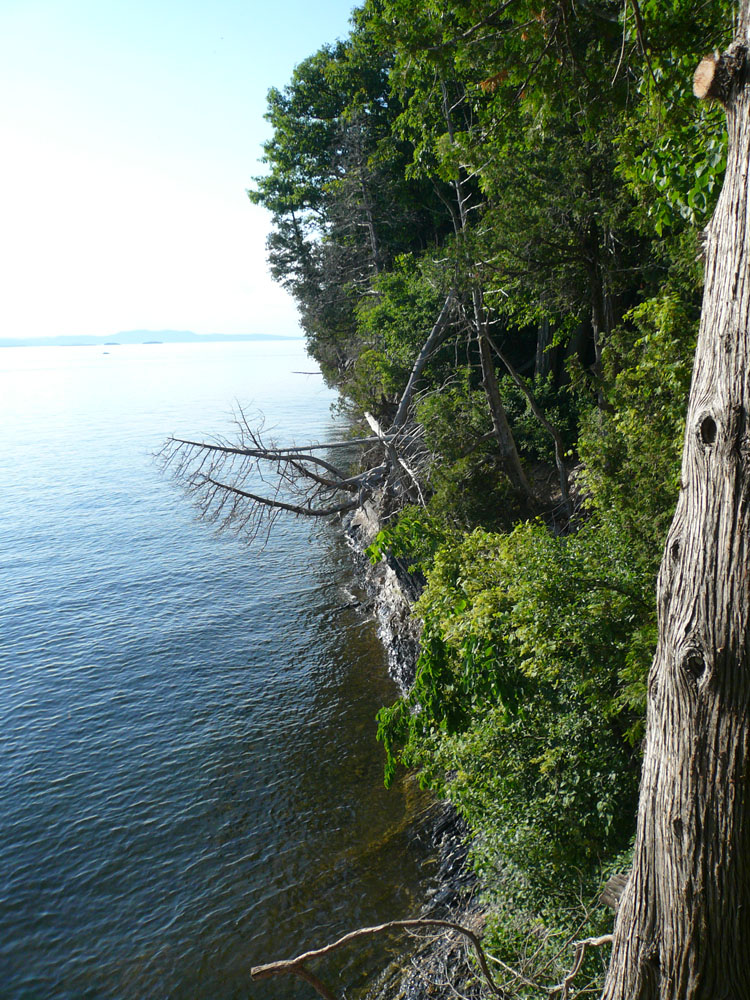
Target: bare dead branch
x,y
245,486
297,966
580,951
435,338
397,462
624,39
512,972
642,42
304,510
540,59
269,454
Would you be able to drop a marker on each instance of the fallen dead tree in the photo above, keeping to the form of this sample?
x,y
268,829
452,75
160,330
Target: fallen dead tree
x,y
248,482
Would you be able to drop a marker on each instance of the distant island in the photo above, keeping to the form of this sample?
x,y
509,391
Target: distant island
x,y
136,337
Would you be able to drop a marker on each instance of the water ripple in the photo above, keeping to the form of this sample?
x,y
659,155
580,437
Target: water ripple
x,y
188,760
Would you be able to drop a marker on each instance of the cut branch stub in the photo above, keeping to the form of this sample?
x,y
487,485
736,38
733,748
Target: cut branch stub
x,y
715,73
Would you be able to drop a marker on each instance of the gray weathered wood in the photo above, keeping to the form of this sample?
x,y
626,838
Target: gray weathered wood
x,y
683,922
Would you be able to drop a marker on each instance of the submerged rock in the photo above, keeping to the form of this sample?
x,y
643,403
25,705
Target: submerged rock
x,y
434,964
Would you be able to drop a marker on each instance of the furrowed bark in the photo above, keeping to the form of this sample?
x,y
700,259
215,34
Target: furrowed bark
x,y
683,923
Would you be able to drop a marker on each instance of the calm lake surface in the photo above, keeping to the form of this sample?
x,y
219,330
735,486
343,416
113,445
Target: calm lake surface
x,y
190,779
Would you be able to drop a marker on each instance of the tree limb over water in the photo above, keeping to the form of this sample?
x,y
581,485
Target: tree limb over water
x,y
248,483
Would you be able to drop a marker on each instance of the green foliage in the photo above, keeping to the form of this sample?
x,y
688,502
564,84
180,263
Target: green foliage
x,y
547,791
670,185
560,407
527,701
504,611
467,484
632,454
473,491
455,419
547,163
672,149
413,538
336,185
396,320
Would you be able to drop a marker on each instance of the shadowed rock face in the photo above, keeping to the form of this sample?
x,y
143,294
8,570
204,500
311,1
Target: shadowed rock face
x,y
432,961
391,591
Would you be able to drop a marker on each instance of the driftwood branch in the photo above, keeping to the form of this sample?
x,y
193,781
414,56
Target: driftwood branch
x,y
298,966
580,951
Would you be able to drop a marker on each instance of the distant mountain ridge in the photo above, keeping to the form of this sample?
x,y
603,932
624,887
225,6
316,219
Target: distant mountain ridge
x,y
136,337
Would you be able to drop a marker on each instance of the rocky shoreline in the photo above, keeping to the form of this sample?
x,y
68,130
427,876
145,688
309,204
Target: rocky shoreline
x,y
391,593
432,965
429,966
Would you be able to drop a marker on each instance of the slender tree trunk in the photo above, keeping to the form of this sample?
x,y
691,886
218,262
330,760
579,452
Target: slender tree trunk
x,y
366,201
546,424
683,925
377,264
501,427
601,313
543,357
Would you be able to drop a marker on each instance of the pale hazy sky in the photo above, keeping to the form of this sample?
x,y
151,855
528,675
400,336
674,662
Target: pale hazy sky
x,y
129,131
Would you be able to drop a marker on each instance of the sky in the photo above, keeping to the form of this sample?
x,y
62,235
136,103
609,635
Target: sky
x,y
129,133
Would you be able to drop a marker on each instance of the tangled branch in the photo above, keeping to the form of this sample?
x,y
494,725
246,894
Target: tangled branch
x,y
580,951
247,484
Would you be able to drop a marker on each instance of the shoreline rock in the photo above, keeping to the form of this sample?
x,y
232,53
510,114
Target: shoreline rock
x,y
434,965
392,590
423,969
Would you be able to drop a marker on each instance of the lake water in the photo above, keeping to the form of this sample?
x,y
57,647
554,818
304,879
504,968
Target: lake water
x,y
190,779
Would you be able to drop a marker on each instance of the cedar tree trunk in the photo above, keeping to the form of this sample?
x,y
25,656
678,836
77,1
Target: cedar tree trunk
x,y
683,925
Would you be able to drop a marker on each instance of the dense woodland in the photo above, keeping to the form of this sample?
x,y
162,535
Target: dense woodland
x,y
528,181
